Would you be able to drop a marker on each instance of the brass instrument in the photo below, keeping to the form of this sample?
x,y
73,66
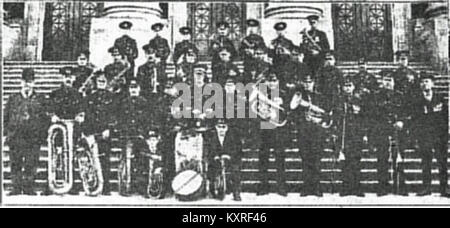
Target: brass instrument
x,y
155,187
114,84
266,108
155,80
314,113
124,174
60,159
87,84
90,166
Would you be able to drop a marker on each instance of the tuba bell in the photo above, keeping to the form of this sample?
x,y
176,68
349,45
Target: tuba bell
x,y
60,157
90,166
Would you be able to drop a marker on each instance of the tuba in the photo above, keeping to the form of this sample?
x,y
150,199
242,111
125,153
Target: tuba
x,y
60,158
90,166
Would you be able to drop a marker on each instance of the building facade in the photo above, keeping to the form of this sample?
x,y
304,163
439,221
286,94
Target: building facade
x,y
39,31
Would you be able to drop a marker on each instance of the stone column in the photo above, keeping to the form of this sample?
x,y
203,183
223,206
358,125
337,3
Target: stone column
x,y
294,14
34,30
437,17
105,30
255,11
401,15
179,16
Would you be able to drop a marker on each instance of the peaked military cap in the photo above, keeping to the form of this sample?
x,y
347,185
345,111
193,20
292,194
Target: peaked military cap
x,y
126,25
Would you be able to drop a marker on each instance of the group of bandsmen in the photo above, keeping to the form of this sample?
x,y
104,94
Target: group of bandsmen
x,y
395,111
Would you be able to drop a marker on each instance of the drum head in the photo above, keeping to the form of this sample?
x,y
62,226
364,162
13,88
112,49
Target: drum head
x,y
187,183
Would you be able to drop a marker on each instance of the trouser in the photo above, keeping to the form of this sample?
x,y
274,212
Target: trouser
x,y
24,161
139,163
104,147
168,159
314,63
272,139
233,166
381,140
311,142
352,166
426,145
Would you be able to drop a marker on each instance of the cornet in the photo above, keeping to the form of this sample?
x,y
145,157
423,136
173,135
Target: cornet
x,y
60,159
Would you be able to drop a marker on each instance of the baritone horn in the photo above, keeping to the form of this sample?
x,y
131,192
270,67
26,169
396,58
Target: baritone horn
x,y
60,156
90,166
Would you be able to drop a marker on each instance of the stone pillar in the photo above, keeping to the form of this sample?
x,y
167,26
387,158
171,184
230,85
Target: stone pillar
x,y
179,16
255,11
105,30
11,42
401,15
437,18
33,32
294,14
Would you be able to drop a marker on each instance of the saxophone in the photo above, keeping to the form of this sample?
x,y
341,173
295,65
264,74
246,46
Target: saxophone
x,y
60,159
90,166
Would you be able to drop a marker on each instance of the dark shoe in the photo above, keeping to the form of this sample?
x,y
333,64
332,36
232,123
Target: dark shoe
x,y
30,193
15,193
403,194
318,194
282,192
305,194
424,193
237,197
445,194
262,192
106,193
74,193
382,193
360,194
47,193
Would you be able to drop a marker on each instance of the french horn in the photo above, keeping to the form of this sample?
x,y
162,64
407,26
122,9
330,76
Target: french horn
x,y
60,159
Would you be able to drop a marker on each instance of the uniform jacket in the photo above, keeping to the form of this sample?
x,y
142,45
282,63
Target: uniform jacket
x,y
101,110
368,83
128,46
218,43
25,119
430,118
112,70
320,38
162,47
133,116
232,145
145,76
255,41
328,80
280,58
386,108
82,73
182,47
65,102
221,72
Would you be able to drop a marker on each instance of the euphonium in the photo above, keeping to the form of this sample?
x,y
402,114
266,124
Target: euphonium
x,y
90,167
268,109
60,159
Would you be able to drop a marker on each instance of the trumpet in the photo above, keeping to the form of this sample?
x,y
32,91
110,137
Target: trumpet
x,y
314,113
86,85
90,166
266,108
60,159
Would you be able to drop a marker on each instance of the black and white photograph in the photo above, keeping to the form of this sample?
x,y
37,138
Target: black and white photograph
x,y
262,104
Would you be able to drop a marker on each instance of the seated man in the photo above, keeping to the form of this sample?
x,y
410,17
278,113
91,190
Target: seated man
x,y
223,142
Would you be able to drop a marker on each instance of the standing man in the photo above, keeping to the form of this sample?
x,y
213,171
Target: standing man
x,y
185,68
329,77
116,73
82,71
128,47
160,44
100,115
151,76
349,119
272,135
25,129
430,123
367,83
223,142
221,41
185,46
313,114
406,79
316,44
386,120
249,45
280,51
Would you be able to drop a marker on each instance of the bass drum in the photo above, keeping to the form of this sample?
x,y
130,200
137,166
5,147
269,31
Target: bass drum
x,y
188,185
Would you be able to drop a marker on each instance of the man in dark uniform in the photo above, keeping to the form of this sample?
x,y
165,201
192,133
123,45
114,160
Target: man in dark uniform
x,y
296,70
185,46
312,111
65,104
224,142
185,69
221,41
430,123
349,115
25,130
225,68
82,71
280,51
259,67
367,83
406,79
316,44
272,134
128,47
160,44
151,76
249,45
329,77
386,114
116,72
133,118
100,110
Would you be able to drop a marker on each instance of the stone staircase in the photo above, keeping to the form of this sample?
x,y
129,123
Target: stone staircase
x,y
48,79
